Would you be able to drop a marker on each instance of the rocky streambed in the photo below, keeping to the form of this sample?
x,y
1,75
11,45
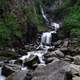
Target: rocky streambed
x,y
61,62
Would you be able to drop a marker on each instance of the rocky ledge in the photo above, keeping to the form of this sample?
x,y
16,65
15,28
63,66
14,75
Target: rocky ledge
x,y
61,63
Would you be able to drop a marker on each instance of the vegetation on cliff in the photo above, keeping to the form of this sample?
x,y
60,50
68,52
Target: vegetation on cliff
x,y
16,15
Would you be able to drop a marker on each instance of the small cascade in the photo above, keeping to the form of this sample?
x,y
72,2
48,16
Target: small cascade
x,y
43,14
55,26
12,61
23,58
51,24
1,76
47,37
39,54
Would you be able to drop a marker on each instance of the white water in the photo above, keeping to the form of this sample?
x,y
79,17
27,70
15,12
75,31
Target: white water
x,y
56,26
37,53
53,25
43,14
1,76
46,37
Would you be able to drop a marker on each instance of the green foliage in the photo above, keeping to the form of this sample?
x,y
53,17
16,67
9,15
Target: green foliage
x,y
8,28
12,24
75,32
72,19
34,17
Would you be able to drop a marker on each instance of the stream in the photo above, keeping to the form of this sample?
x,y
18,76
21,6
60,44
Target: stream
x,y
45,44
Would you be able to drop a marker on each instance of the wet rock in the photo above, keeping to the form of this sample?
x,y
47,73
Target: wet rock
x,y
68,58
55,71
76,78
28,76
49,60
77,60
65,44
31,61
64,50
20,75
9,69
6,71
58,43
75,69
57,53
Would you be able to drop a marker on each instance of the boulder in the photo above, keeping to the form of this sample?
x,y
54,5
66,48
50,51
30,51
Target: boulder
x,y
54,71
33,59
58,43
75,69
76,78
64,50
68,58
49,60
20,75
65,44
28,76
77,60
6,71
57,53
9,69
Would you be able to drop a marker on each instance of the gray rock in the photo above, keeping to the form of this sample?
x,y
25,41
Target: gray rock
x,y
77,60
49,60
6,71
65,44
57,53
33,59
20,75
64,49
55,71
75,69
59,42
9,69
68,58
76,78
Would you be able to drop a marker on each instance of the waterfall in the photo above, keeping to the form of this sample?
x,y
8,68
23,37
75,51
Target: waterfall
x,y
43,14
23,58
55,26
46,39
1,76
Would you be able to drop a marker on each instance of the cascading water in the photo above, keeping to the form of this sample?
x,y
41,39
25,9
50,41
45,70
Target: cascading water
x,y
52,24
1,76
46,37
36,53
46,40
55,26
43,14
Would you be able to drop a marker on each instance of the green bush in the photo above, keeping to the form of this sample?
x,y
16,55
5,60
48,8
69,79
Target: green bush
x,y
72,19
8,28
